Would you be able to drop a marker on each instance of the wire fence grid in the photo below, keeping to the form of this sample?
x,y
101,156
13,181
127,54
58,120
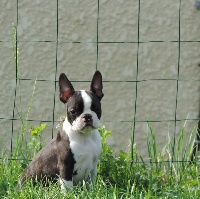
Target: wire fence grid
x,y
97,42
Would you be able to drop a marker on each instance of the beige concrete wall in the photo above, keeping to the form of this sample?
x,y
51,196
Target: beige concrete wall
x,y
156,57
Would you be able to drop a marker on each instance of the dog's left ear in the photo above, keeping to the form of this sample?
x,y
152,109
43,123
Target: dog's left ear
x,y
66,88
96,85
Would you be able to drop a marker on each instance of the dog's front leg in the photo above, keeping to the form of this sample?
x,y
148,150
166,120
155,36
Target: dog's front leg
x,y
66,177
94,171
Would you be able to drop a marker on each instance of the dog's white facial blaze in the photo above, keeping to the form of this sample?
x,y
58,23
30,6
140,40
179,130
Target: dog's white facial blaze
x,y
87,101
78,124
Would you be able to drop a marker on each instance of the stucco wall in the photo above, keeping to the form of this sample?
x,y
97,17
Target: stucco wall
x,y
121,59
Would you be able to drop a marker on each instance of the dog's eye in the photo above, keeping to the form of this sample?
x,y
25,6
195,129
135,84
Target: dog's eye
x,y
73,111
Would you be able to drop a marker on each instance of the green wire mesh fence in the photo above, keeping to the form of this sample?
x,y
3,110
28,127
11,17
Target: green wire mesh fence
x,y
97,43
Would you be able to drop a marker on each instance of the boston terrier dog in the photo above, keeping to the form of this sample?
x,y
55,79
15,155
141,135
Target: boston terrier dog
x,y
72,156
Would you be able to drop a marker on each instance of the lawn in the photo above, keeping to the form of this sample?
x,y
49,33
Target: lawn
x,y
127,175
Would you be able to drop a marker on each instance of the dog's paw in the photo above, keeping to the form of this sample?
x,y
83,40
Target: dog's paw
x,y
66,185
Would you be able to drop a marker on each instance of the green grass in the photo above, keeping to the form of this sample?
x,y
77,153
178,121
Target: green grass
x,y
122,176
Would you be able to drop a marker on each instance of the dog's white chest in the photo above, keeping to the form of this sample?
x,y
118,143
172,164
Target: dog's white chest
x,y
86,150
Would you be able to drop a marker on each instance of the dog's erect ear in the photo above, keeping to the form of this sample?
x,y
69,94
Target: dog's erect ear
x,y
66,88
96,85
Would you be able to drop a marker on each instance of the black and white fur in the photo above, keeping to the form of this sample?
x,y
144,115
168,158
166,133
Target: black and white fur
x,y
72,156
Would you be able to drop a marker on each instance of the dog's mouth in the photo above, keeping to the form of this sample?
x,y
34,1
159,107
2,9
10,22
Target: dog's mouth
x,y
89,124
87,129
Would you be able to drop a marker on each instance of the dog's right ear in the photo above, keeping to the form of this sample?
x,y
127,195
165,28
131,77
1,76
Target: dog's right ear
x,y
96,85
66,88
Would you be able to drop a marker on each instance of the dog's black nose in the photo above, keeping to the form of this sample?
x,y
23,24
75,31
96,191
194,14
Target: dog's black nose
x,y
88,117
88,120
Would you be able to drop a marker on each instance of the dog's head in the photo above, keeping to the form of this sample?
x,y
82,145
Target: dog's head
x,y
83,107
